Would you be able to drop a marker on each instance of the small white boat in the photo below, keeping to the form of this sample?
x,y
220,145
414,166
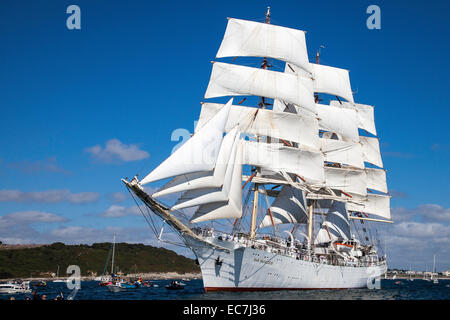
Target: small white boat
x,y
60,280
410,274
115,287
15,287
120,285
175,285
435,280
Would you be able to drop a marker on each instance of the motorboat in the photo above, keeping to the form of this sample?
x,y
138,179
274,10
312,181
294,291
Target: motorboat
x,y
175,285
14,287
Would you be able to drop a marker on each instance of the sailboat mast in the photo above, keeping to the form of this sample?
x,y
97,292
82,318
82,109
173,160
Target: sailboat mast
x,y
112,262
262,105
434,264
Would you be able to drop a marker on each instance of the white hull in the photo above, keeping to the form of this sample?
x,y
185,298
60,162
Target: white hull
x,y
244,268
9,288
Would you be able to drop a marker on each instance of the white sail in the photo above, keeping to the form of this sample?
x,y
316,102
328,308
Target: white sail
x,y
342,152
336,227
199,153
254,39
338,120
279,106
231,80
333,81
209,179
326,79
347,180
365,114
375,204
300,128
176,184
225,209
288,207
212,194
307,164
371,150
194,194
376,179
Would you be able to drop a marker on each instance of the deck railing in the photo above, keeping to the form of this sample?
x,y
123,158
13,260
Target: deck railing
x,y
299,251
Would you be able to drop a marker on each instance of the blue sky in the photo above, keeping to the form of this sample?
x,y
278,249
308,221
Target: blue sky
x,y
73,103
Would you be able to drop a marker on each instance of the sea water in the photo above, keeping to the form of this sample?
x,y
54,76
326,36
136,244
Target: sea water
x,y
399,289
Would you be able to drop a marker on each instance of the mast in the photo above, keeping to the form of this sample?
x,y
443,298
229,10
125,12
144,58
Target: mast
x,y
112,262
311,206
316,95
255,208
434,264
262,105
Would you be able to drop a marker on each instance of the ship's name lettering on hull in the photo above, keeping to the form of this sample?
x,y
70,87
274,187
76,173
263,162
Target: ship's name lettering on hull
x,y
262,261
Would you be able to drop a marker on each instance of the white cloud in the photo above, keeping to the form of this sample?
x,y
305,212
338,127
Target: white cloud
x,y
49,196
31,167
115,150
434,212
425,213
115,211
416,236
416,230
118,196
23,218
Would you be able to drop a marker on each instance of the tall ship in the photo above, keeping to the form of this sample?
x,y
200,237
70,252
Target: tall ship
x,y
275,190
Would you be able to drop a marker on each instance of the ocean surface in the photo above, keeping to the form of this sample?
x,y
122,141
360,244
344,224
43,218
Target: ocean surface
x,y
399,289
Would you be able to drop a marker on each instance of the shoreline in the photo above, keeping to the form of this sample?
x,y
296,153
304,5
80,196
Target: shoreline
x,y
175,275
415,278
145,276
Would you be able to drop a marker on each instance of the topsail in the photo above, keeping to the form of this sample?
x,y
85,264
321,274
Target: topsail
x,y
234,80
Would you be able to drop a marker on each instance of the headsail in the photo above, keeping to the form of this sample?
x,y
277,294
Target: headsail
x,y
213,194
208,179
225,209
199,153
